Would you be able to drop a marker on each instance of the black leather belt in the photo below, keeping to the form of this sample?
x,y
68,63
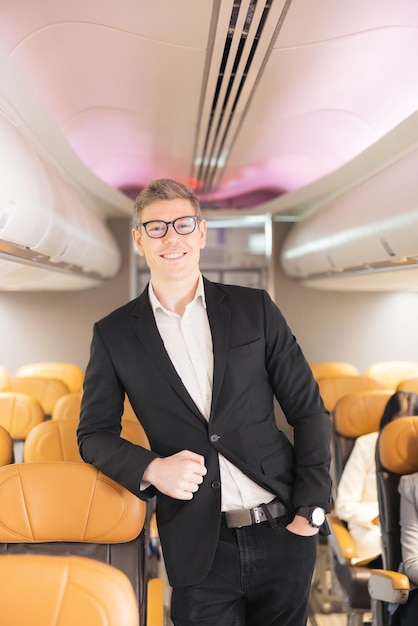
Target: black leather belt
x,y
247,517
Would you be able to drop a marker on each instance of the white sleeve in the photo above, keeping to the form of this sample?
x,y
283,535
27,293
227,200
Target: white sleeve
x,y
408,489
356,500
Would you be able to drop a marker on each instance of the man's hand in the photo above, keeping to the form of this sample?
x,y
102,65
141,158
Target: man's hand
x,y
177,476
301,526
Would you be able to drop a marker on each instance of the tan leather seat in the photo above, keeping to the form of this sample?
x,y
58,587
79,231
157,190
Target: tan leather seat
x,y
68,406
45,390
333,368
44,590
19,413
6,447
355,414
56,440
397,454
69,373
409,384
333,388
72,508
4,377
390,373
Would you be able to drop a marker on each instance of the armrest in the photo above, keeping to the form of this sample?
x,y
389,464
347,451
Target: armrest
x,y
340,540
388,586
155,602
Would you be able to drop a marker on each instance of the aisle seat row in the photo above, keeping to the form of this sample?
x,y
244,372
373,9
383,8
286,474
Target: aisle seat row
x,y
70,374
63,508
388,373
71,590
360,588
338,378
73,509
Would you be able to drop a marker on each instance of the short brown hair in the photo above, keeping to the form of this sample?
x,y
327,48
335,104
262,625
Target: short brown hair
x,y
163,189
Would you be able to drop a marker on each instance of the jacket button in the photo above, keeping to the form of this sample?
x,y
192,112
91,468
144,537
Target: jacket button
x,y
215,484
214,438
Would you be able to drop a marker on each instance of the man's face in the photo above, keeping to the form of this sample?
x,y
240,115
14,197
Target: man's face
x,y
173,256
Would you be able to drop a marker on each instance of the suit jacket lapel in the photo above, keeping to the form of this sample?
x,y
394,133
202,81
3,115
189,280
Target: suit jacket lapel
x,y
219,315
146,330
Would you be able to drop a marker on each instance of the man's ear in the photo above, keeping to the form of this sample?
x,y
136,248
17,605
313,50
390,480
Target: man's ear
x,y
137,239
203,230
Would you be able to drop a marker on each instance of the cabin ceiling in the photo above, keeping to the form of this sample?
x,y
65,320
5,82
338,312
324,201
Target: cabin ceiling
x,y
281,106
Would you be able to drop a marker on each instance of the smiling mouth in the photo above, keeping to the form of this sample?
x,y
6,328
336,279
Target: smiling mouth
x,y
173,255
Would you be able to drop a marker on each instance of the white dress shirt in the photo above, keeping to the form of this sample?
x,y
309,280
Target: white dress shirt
x,y
188,342
408,488
356,501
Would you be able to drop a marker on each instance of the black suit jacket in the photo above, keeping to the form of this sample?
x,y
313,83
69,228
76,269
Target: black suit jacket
x,y
256,357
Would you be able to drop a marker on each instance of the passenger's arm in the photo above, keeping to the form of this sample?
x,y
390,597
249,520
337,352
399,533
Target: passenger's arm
x,y
355,501
408,489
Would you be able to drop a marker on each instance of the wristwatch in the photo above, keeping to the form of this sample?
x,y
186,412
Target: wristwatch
x,y
314,514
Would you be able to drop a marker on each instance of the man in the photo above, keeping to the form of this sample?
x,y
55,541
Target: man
x,y
238,507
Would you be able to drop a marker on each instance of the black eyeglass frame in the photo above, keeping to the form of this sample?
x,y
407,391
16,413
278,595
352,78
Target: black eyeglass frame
x,y
195,218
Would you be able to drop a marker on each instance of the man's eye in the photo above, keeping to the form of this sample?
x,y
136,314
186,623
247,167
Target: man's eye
x,y
155,228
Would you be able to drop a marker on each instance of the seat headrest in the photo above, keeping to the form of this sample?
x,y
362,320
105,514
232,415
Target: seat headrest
x,y
333,388
398,445
47,590
53,440
6,447
66,501
19,413
359,413
72,375
68,406
45,390
333,368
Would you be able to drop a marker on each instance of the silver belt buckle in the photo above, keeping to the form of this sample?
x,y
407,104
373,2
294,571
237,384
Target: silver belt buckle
x,y
257,514
238,518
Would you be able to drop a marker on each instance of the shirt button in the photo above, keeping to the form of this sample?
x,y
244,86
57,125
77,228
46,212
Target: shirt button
x,y
214,438
215,484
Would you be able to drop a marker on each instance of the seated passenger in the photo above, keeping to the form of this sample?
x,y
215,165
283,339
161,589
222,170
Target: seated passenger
x,y
356,501
408,489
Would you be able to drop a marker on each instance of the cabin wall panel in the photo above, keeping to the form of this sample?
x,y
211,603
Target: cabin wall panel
x,y
358,327
348,326
57,326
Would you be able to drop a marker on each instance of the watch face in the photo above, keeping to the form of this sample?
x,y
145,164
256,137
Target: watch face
x,y
318,516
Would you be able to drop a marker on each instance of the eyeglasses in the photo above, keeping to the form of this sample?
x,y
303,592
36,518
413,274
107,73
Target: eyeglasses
x,y
156,229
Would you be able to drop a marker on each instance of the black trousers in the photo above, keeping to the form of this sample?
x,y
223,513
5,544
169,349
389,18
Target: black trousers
x,y
261,576
408,613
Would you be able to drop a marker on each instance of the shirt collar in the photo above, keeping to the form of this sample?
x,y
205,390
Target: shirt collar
x,y
156,304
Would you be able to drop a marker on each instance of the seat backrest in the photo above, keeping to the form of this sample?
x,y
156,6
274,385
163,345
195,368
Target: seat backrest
x,y
356,414
45,390
390,373
409,384
53,440
69,373
72,508
396,454
56,440
44,590
68,406
6,447
333,368
4,377
333,388
19,413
